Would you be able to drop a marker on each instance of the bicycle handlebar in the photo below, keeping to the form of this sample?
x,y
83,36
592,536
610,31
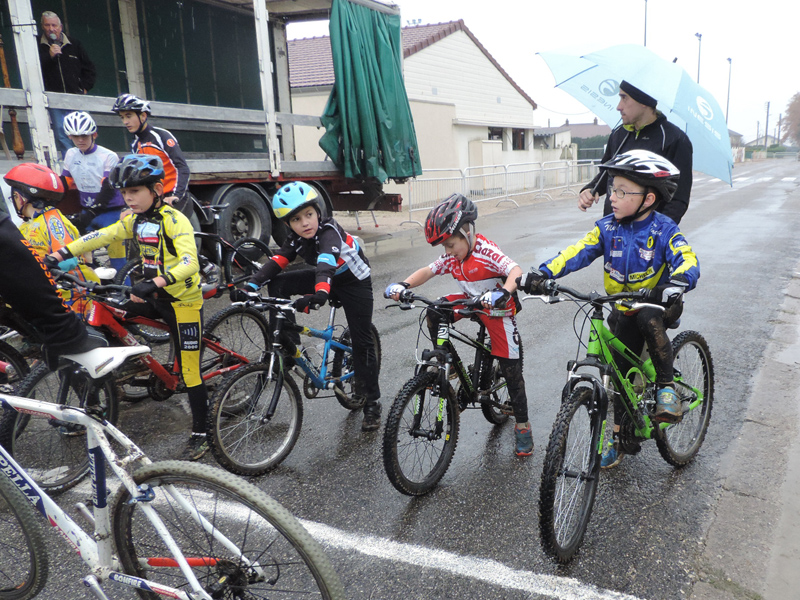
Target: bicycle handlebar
x,y
631,299
92,286
463,306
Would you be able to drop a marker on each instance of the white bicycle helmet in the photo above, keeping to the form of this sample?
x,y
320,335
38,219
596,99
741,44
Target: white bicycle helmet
x,y
647,169
79,123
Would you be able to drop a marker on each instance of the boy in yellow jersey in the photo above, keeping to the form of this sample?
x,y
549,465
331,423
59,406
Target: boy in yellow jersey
x,y
44,226
171,289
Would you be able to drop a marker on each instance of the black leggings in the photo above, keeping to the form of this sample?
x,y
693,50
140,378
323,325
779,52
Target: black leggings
x,y
356,299
648,325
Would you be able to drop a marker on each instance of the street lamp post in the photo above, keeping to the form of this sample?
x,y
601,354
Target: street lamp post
x,y
645,23
728,104
699,37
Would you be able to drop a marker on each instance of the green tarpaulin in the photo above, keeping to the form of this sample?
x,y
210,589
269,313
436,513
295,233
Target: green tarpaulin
x,y
369,129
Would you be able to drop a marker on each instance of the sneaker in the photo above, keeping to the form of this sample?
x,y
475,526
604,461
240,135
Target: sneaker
x,y
611,457
72,430
668,406
523,441
372,417
196,447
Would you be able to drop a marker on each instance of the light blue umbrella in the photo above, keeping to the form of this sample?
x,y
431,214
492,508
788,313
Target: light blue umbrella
x,y
593,79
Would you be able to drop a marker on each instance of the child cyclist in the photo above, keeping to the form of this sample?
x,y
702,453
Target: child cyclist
x,y
340,270
35,192
86,168
171,289
481,269
641,249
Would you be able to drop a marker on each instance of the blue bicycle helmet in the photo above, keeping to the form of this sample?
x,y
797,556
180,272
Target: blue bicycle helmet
x,y
135,170
292,198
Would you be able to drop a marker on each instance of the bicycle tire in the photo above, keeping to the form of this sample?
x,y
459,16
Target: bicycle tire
x,y
52,452
294,563
570,476
242,439
240,329
15,369
678,443
493,379
133,270
415,464
342,364
246,259
23,554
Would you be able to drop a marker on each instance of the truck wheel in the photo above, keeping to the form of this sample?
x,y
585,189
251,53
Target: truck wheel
x,y
247,215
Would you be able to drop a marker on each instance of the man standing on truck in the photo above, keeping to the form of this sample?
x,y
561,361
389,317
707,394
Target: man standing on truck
x,y
66,68
147,139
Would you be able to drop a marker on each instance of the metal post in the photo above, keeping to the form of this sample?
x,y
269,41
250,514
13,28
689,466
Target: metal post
x,y
645,23
699,37
24,27
766,130
728,104
267,95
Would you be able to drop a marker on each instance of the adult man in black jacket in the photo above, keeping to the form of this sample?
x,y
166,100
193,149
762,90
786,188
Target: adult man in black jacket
x,y
66,68
644,128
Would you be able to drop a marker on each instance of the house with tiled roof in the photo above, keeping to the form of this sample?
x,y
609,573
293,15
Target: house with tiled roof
x,y
467,109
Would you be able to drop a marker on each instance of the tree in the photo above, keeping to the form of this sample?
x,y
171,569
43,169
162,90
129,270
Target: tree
x,y
791,123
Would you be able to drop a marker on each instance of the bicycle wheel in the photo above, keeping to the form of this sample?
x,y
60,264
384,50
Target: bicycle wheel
x,y
570,476
492,379
246,258
270,555
678,443
245,439
241,330
342,364
417,449
54,452
23,554
132,273
13,368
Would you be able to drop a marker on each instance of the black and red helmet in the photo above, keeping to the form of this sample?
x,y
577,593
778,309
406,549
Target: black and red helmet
x,y
448,217
36,182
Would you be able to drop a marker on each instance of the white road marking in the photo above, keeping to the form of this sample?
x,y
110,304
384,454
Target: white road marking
x,y
483,569
789,179
741,178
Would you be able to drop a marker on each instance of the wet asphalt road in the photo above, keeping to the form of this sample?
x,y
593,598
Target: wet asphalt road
x,y
476,535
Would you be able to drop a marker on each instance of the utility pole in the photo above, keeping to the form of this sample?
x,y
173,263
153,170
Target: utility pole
x,y
645,23
766,130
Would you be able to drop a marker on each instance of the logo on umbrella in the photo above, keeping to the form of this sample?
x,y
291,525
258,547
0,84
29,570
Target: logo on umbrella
x,y
705,108
608,87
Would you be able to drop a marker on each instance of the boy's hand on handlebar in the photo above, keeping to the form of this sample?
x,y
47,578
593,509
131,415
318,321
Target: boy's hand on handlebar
x,y
495,298
142,290
669,293
393,290
310,302
248,292
532,282
51,261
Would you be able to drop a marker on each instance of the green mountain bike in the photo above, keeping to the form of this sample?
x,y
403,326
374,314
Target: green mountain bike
x,y
581,432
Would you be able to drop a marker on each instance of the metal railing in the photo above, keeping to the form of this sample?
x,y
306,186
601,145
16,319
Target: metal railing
x,y
501,183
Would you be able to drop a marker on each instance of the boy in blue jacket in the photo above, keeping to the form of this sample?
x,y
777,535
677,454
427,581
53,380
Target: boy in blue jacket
x,y
641,249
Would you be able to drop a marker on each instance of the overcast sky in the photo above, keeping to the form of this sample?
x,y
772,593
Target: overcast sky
x,y
760,37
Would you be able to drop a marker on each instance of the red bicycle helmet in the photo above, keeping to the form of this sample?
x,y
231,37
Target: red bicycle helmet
x,y
448,218
36,182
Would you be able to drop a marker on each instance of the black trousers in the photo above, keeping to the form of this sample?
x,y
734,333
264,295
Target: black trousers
x,y
648,325
357,301
26,286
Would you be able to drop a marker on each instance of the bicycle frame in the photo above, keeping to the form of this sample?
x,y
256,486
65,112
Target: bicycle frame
x,y
111,318
97,551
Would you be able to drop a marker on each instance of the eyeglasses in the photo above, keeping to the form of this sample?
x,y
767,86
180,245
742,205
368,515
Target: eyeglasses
x,y
620,193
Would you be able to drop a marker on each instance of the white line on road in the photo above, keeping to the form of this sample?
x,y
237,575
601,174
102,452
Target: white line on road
x,y
788,178
487,570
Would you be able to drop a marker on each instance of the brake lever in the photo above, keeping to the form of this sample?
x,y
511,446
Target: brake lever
x,y
546,298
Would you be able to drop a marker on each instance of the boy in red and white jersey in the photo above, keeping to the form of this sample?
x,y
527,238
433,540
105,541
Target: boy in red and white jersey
x,y
481,269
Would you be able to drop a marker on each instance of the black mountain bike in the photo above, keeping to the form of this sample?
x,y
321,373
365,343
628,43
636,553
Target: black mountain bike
x,y
421,431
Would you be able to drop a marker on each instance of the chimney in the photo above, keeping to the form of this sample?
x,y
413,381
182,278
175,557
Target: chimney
x,y
595,120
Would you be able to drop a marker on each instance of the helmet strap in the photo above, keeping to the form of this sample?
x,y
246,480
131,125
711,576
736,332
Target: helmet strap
x,y
469,235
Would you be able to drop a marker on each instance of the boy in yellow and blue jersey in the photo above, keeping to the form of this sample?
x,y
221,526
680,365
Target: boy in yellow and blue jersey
x,y
642,249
